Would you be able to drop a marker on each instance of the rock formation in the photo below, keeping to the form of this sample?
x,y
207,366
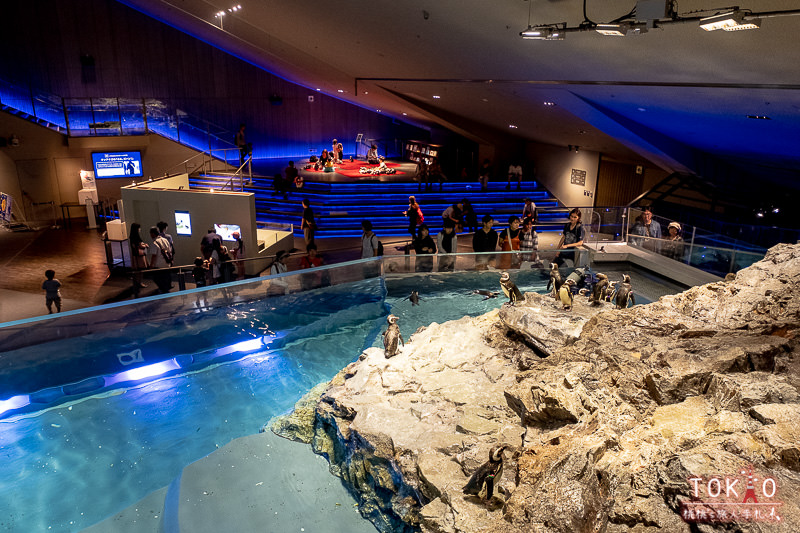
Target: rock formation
x,y
617,420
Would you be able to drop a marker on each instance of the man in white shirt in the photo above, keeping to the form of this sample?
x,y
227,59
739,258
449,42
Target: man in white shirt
x,y
161,258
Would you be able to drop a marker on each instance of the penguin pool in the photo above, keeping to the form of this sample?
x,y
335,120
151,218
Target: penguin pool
x,y
80,458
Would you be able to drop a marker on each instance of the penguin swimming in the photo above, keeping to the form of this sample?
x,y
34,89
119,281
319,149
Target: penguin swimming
x,y
565,294
624,294
486,473
556,281
391,337
510,289
599,289
487,294
414,298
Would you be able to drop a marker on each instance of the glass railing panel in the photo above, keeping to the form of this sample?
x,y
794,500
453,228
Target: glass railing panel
x,y
106,117
712,259
79,116
131,112
50,108
160,120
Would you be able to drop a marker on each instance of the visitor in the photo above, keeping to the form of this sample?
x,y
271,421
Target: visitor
x,y
369,241
324,158
484,240
311,260
245,148
447,243
484,173
455,214
237,253
160,261
649,229
162,230
421,176
529,210
299,182
571,237
470,217
425,247
415,216
435,174
278,286
673,247
372,155
308,225
52,291
529,242
338,151
514,173
509,241
207,243
279,186
291,175
138,256
200,272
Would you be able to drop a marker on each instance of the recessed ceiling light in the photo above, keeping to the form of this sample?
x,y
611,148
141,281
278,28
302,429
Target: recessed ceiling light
x,y
485,99
512,126
641,109
405,114
318,88
549,104
378,110
759,117
366,92
340,90
436,96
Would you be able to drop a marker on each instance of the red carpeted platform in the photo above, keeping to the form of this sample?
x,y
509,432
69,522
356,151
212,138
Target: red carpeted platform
x,y
352,169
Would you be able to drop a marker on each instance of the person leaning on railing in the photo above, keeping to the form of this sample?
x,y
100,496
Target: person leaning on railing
x,y
571,237
673,246
645,226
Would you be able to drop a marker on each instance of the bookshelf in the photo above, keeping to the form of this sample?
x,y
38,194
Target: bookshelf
x,y
416,150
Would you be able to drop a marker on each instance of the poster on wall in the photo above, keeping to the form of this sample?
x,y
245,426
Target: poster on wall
x,y
578,177
117,164
183,223
87,179
5,207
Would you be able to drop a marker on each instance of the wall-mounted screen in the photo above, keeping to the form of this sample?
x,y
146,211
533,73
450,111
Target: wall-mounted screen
x,y
183,223
117,164
226,231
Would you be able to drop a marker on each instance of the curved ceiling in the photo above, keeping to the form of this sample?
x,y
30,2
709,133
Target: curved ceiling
x,y
664,96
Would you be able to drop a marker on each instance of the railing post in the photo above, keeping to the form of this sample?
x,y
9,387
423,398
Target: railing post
x,y
33,100
66,115
144,115
691,247
733,261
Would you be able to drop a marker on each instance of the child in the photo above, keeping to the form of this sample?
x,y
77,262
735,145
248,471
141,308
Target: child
x,y
51,287
200,272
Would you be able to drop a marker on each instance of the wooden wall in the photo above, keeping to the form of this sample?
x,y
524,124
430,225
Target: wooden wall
x,y
139,57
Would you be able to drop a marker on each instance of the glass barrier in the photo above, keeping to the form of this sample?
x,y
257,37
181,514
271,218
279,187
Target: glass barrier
x,y
159,120
17,97
95,343
711,259
50,108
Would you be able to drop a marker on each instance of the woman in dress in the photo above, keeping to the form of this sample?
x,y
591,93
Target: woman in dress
x,y
509,240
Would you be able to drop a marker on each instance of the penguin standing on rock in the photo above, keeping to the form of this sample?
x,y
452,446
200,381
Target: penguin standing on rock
x,y
556,281
391,337
624,294
486,473
565,294
599,289
510,289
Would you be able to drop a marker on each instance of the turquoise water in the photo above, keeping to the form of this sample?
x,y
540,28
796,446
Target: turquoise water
x,y
76,464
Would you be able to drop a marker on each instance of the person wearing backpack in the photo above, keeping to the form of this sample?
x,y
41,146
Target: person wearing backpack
x,y
161,259
369,241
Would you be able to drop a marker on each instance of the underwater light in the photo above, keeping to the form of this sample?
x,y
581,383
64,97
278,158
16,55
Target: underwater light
x,y
144,372
15,402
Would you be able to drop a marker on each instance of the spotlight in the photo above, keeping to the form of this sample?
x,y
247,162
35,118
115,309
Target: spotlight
x,y
730,21
759,214
542,33
622,29
776,210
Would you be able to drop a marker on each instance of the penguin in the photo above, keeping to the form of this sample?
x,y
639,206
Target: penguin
x,y
391,336
624,294
565,294
487,294
554,285
414,298
599,289
486,473
510,289
611,291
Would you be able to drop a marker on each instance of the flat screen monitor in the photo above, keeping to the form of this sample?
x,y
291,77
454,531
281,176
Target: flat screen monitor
x,y
183,223
226,231
117,164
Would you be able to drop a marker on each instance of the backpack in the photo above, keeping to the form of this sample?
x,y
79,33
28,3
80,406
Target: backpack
x,y
166,253
420,216
380,248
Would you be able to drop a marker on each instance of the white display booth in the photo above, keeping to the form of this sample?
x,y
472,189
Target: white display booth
x,y
190,213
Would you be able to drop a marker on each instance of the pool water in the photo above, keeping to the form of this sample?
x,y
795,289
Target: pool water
x,y
73,465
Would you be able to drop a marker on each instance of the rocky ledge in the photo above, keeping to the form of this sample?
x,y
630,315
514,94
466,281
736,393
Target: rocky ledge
x,y
653,418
